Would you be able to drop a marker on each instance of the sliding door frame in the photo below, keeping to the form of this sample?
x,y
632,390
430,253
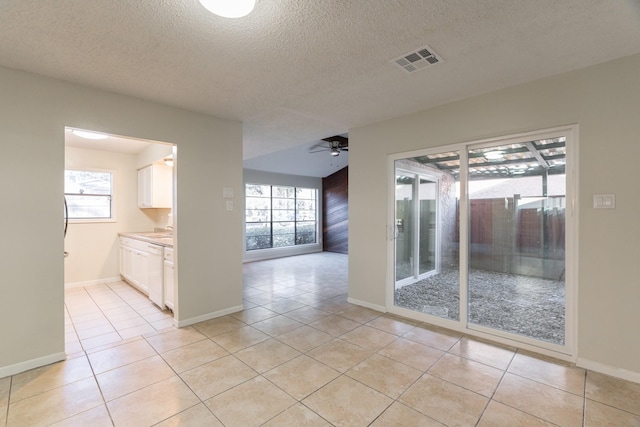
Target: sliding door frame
x,y
568,351
415,274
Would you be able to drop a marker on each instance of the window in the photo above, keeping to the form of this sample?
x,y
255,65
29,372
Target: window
x,y
89,194
278,216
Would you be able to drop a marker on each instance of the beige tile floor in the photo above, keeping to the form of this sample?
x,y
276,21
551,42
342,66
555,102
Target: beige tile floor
x,y
298,354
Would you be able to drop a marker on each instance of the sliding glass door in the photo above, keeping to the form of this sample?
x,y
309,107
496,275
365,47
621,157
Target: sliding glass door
x,y
517,238
480,237
425,234
415,226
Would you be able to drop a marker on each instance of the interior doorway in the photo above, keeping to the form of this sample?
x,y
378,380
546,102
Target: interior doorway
x,y
105,199
483,238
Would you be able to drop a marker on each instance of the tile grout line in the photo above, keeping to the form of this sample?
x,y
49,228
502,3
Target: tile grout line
x,y
504,374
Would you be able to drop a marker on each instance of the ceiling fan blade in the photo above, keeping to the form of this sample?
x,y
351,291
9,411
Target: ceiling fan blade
x,y
320,145
344,148
319,151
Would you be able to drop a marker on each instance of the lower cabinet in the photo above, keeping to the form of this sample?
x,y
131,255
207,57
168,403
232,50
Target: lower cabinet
x,y
141,264
134,263
169,287
155,275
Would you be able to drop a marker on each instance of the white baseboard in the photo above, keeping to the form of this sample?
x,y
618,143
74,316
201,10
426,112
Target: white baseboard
x,y
208,316
375,307
5,371
608,370
287,251
92,282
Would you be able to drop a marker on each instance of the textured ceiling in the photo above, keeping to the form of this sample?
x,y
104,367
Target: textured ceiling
x,y
296,71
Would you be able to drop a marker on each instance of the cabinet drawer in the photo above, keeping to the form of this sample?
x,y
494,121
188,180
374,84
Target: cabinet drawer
x,y
134,244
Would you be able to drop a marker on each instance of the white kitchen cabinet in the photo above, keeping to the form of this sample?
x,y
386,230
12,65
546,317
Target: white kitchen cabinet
x,y
169,284
134,263
155,279
155,186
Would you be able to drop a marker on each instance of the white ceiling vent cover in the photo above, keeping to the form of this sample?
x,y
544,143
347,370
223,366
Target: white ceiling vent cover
x,y
417,59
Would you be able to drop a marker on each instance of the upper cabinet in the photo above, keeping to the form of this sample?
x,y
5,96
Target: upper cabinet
x,y
155,186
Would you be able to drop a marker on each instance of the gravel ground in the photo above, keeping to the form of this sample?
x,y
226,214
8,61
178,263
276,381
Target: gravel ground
x,y
524,305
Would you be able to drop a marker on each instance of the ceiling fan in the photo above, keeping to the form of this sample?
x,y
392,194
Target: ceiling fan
x,y
334,145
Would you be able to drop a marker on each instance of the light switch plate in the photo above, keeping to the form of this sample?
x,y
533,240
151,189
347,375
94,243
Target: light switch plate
x,y
229,205
604,201
227,193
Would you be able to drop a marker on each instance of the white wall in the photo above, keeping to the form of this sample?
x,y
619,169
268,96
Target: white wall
x,y
93,246
259,177
33,113
605,101
153,154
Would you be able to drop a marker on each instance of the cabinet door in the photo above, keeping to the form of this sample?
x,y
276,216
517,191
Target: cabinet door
x,y
144,187
155,186
142,264
127,262
168,284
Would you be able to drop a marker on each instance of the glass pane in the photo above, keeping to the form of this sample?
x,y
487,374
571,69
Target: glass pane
x,y
434,287
305,215
305,232
284,228
87,182
257,190
279,203
84,207
284,215
305,204
305,238
284,234
258,203
258,215
404,226
427,240
258,236
284,192
305,193
517,238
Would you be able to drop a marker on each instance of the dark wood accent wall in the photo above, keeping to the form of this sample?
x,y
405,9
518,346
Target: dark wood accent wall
x,y
335,211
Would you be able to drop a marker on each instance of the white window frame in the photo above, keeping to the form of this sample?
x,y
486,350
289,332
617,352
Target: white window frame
x,y
272,253
295,221
112,218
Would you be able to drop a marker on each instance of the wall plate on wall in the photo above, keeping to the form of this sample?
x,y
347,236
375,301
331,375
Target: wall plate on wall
x,y
604,201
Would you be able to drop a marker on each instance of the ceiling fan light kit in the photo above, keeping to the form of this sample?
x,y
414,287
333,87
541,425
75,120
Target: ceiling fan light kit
x,y
334,145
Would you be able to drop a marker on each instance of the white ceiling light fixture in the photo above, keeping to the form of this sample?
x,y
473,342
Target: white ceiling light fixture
x,y
89,135
229,8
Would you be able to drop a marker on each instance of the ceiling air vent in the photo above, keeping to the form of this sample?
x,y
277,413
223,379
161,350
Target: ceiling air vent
x,y
417,60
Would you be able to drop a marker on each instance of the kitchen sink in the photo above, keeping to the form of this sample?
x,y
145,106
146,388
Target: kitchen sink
x,y
157,235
